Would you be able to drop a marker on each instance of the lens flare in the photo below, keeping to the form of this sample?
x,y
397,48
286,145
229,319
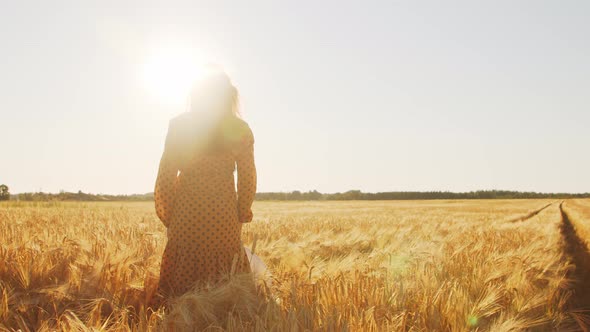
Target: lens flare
x,y
169,74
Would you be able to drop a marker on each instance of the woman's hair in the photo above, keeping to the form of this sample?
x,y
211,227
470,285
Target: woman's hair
x,y
214,103
214,94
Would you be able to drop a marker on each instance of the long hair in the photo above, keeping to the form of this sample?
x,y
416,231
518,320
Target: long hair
x,y
214,103
214,93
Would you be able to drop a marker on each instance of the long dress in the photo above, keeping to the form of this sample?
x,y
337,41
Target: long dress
x,y
196,199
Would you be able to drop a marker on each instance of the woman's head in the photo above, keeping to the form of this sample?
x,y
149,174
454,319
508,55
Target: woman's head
x,y
214,94
214,114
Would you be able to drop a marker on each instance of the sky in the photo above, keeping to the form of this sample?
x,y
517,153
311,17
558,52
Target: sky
x,y
340,95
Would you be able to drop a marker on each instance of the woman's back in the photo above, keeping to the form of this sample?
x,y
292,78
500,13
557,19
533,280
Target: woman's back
x,y
196,198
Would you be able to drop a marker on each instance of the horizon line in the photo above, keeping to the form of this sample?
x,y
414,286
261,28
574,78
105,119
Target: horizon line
x,y
329,193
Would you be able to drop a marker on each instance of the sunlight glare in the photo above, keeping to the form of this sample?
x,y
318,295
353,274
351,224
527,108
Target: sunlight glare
x,y
169,73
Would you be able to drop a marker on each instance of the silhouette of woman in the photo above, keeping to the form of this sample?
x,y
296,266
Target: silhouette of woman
x,y
195,192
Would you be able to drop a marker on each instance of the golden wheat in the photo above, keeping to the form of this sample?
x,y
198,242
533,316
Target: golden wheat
x,y
579,211
371,266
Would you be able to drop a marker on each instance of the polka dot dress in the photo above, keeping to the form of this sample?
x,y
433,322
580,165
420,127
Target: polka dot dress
x,y
196,199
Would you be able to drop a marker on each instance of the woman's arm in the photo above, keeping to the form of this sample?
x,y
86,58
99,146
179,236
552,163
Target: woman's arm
x,y
246,176
165,191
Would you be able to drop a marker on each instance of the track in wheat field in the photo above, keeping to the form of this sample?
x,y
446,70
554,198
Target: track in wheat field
x,y
530,214
577,252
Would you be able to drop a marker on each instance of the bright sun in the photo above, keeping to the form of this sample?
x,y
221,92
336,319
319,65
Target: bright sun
x,y
168,74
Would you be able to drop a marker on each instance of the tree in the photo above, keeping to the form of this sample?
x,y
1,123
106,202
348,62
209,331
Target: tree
x,y
4,193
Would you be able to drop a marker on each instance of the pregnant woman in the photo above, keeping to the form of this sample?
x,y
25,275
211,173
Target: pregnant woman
x,y
195,192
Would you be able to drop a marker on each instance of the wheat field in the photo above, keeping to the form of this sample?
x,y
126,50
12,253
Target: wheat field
x,y
478,265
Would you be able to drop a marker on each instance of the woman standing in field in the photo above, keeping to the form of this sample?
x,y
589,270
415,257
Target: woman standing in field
x,y
195,192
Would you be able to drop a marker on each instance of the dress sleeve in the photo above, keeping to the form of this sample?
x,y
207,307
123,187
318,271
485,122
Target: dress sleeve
x,y
246,176
166,182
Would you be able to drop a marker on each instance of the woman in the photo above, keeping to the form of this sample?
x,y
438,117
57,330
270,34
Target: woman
x,y
195,190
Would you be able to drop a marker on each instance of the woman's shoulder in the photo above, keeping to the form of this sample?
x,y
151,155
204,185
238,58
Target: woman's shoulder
x,y
238,130
182,120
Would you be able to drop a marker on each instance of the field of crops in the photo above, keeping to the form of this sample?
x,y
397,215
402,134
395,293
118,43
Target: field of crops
x,y
497,265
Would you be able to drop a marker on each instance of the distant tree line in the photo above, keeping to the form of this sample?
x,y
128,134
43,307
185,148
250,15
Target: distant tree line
x,y
80,196
411,195
315,196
